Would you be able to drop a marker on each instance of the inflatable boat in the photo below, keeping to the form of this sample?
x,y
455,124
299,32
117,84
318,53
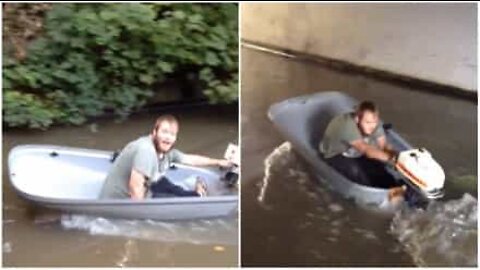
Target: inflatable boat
x,y
303,120
70,179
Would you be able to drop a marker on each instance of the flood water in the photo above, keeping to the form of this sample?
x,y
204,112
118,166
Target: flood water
x,y
38,237
288,219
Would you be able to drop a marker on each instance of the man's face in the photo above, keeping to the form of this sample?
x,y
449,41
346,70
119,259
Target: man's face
x,y
368,122
165,136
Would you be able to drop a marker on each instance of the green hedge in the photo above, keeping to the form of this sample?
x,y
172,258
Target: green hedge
x,y
95,58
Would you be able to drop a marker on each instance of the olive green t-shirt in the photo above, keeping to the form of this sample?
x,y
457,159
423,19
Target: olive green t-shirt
x,y
141,156
342,130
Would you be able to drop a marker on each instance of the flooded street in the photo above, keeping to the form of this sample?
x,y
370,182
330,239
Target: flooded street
x,y
38,237
290,220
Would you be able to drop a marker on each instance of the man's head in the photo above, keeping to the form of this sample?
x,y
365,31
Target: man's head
x,y
367,117
164,133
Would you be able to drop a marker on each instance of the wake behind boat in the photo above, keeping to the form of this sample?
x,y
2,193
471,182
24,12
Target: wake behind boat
x,y
70,179
303,120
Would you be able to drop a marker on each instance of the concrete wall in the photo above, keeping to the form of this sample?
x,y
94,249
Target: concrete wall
x,y
430,41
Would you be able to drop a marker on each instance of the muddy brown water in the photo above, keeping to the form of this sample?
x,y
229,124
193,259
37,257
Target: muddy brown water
x,y
290,220
35,236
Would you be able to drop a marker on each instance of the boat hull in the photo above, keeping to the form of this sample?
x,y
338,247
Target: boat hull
x,y
70,180
303,120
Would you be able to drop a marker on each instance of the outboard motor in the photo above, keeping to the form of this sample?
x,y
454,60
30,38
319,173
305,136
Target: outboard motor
x,y
231,176
424,176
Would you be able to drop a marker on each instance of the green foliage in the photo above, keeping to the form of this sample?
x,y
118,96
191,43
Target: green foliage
x,y
27,110
218,91
95,58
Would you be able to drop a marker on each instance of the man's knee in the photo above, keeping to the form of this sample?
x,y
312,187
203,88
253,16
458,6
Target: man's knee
x,y
350,168
359,176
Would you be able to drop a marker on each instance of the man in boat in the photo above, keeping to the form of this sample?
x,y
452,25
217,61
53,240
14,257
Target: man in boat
x,y
138,169
355,145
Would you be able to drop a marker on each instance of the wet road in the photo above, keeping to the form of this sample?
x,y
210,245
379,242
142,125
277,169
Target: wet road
x,y
39,237
293,221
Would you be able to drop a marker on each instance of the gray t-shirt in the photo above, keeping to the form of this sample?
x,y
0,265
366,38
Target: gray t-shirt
x,y
342,130
141,156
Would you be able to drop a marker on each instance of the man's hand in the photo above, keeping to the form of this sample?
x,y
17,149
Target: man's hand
x,y
370,151
225,163
393,158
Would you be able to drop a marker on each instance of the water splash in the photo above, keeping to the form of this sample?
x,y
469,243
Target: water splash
x,y
7,247
445,234
278,156
130,253
214,231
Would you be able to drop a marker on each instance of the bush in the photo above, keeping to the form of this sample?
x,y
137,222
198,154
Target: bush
x,y
95,58
27,110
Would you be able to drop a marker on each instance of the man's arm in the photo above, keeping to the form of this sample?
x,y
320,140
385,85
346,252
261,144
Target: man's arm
x,y
371,151
136,185
382,143
385,146
197,160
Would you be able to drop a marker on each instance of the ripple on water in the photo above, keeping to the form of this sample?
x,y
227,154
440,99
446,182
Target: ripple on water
x,y
445,234
216,231
335,208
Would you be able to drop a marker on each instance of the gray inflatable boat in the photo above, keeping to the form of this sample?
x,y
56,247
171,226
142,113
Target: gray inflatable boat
x,y
303,120
70,179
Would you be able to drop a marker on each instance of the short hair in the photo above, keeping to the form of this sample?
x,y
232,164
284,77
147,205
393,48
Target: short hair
x,y
166,117
364,106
